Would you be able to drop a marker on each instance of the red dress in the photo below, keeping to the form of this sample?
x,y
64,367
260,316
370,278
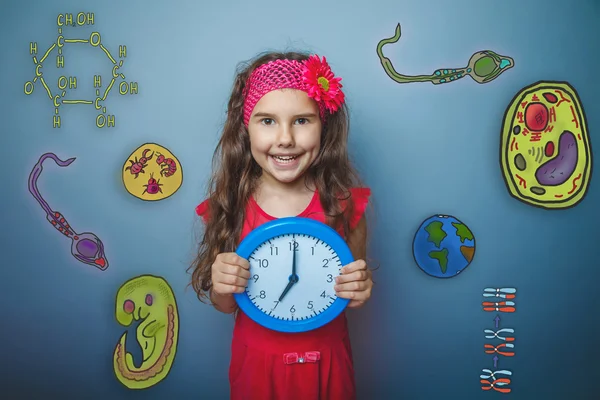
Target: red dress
x,y
271,365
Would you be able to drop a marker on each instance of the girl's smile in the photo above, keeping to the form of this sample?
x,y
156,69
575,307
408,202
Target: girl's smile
x,y
285,162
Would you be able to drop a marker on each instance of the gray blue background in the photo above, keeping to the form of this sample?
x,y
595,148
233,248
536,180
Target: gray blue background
x,y
423,149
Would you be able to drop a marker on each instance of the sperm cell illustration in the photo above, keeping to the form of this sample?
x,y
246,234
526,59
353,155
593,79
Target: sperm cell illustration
x,y
483,66
86,247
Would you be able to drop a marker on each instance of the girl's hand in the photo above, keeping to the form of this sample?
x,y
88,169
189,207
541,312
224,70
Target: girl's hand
x,y
355,283
230,274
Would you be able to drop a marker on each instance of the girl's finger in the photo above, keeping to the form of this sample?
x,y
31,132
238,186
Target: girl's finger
x,y
354,286
354,296
222,288
231,280
360,275
354,266
236,270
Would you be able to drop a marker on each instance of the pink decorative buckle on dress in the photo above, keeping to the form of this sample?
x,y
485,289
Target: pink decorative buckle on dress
x,y
308,357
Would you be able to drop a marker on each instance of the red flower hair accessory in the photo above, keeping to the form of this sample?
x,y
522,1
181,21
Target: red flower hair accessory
x,y
322,84
313,76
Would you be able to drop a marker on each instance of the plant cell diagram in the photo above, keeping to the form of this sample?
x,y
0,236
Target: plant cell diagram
x,y
545,147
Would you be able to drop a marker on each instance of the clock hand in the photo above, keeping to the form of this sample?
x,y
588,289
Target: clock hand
x,y
293,278
287,288
294,263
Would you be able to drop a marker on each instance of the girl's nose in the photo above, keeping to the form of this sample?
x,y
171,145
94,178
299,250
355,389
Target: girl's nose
x,y
285,137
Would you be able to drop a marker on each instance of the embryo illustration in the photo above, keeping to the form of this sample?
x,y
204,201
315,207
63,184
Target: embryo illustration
x,y
148,299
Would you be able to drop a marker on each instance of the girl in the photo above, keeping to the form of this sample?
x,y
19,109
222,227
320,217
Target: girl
x,y
283,152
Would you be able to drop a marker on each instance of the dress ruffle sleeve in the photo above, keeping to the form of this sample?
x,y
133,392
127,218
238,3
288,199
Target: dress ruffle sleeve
x,y
202,210
360,196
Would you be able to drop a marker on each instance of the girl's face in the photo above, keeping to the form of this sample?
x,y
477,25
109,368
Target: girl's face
x,y
285,134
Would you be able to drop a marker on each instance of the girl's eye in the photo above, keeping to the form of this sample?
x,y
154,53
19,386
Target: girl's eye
x,y
302,121
267,121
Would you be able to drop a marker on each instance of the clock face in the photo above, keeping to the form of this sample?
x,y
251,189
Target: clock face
x,y
312,293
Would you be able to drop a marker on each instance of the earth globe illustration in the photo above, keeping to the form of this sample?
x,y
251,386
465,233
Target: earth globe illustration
x,y
443,246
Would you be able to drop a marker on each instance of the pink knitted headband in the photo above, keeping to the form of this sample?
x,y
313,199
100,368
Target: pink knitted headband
x,y
312,76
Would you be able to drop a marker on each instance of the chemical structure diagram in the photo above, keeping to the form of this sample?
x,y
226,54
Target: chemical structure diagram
x,y
64,83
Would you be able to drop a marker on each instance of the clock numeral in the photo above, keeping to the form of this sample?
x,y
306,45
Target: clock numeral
x,y
262,294
310,305
323,295
326,261
329,278
312,248
263,262
255,277
295,244
276,252
276,304
292,310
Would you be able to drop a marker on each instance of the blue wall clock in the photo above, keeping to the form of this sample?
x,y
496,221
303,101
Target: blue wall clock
x,y
293,265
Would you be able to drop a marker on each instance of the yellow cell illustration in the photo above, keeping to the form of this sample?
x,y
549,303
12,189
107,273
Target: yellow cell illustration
x,y
152,173
545,149
149,299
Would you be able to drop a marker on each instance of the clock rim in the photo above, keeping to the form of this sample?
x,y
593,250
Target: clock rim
x,y
286,226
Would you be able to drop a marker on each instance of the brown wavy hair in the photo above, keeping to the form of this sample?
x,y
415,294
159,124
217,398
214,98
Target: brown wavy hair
x,y
235,176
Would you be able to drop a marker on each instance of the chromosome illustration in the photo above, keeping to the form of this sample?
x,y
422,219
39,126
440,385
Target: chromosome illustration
x,y
501,306
483,66
503,293
443,246
148,299
491,334
545,149
152,173
497,384
70,83
86,247
506,347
